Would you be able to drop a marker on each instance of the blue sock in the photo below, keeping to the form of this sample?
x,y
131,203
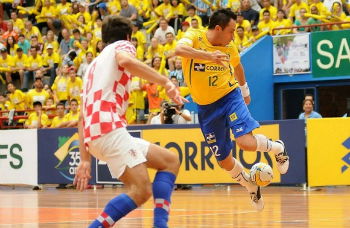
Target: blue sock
x,y
163,185
117,208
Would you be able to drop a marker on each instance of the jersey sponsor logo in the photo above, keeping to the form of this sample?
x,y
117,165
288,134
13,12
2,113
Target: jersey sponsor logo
x,y
210,138
199,67
207,68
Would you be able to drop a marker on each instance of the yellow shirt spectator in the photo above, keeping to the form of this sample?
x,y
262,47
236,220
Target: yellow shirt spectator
x,y
189,19
163,9
141,39
19,61
50,60
282,24
18,99
60,88
74,87
178,10
33,118
71,116
47,12
57,121
273,12
114,6
295,9
34,62
6,61
234,5
168,48
34,95
266,26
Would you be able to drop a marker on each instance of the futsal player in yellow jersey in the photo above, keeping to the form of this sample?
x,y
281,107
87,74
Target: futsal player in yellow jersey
x,y
215,76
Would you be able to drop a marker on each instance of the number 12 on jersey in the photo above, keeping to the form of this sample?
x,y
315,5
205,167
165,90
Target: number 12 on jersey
x,y
212,80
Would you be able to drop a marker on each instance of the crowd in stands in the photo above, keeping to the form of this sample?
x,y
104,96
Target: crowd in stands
x,y
47,45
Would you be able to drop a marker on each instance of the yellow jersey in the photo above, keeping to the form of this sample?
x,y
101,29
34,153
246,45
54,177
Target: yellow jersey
x,y
57,121
60,86
33,96
208,81
74,88
18,99
71,116
33,120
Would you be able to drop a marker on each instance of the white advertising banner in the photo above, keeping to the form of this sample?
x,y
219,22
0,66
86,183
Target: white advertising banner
x,y
291,54
19,157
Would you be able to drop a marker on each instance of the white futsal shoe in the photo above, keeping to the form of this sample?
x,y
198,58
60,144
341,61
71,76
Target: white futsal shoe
x,y
257,199
282,159
254,190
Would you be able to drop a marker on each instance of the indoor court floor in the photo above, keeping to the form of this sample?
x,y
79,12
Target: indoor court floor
x,y
209,206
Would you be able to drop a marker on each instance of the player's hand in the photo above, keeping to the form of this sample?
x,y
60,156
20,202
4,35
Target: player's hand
x,y
82,175
174,94
219,58
247,100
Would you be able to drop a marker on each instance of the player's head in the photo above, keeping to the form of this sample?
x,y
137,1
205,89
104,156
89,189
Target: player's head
x,y
223,23
116,28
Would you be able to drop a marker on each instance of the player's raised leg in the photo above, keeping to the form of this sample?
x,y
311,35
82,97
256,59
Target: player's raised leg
x,y
167,163
261,143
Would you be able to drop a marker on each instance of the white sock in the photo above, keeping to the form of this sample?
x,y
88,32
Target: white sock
x,y
239,175
266,145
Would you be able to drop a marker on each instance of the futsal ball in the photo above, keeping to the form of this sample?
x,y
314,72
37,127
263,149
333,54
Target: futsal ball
x,y
261,174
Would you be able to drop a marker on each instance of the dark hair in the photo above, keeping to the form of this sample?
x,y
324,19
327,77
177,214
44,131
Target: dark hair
x,y
194,19
35,47
240,27
169,33
37,103
284,13
115,28
74,100
191,7
222,18
266,11
154,58
312,102
60,104
76,31
21,35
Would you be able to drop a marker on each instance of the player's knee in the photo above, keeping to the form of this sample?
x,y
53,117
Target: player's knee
x,y
143,192
173,163
243,144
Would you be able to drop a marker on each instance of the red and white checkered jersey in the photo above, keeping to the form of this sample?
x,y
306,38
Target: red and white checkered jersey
x,y
106,92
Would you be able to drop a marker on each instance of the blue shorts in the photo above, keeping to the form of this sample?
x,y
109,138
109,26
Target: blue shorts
x,y
216,120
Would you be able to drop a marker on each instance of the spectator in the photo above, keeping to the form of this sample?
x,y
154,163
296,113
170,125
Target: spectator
x,y
282,22
139,52
308,107
6,61
37,119
4,103
11,45
163,29
177,72
69,59
191,11
248,13
10,32
294,11
154,50
59,121
241,40
18,24
267,24
164,9
177,13
16,97
65,42
60,86
267,6
137,97
50,63
203,11
140,36
30,31
128,10
302,20
38,93
73,116
312,21
23,43
34,63
243,23
184,27
83,67
169,50
75,85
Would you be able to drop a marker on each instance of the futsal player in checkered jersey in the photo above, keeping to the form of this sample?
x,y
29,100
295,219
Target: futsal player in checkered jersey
x,y
103,134
215,76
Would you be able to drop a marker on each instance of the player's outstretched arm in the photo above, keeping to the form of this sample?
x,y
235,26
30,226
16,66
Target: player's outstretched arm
x,y
135,67
192,53
82,176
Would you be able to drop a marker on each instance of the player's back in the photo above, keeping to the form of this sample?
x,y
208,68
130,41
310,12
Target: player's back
x,y
106,92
